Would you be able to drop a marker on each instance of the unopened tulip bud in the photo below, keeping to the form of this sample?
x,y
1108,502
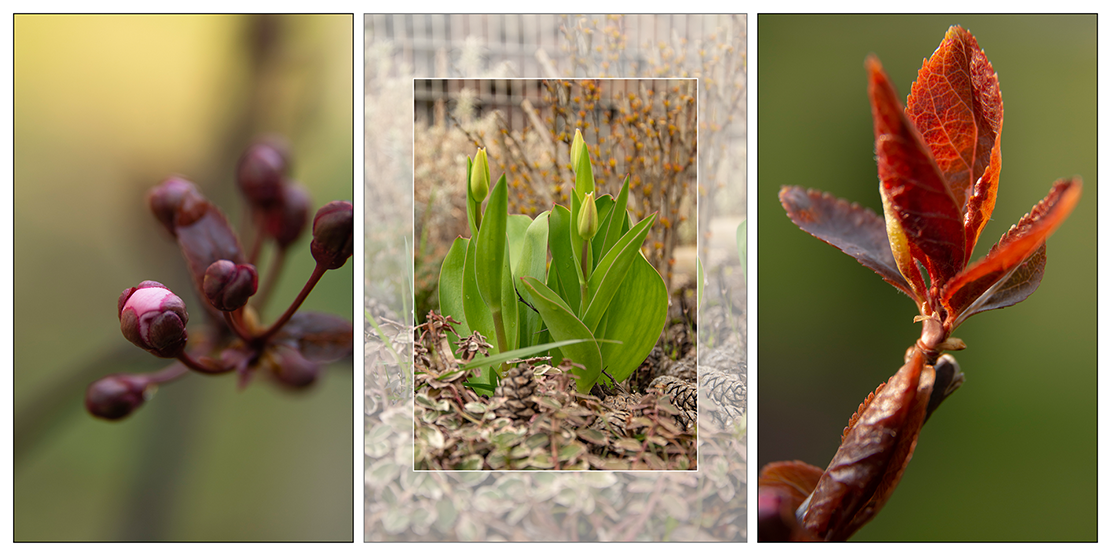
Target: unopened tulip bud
x,y
260,173
576,150
117,396
153,318
332,234
588,217
288,217
480,176
172,196
228,286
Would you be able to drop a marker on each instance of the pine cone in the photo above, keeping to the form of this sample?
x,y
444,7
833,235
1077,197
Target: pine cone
x,y
682,393
516,389
727,392
684,369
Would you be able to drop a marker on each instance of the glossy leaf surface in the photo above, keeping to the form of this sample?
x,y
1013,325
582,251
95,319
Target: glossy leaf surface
x,y
955,103
917,201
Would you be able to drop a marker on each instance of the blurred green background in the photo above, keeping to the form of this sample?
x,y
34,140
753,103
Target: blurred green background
x,y
1012,454
105,108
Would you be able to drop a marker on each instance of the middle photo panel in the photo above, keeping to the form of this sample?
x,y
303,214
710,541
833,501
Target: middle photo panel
x,y
555,274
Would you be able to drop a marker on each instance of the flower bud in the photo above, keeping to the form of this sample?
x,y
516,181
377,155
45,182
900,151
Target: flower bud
x,y
153,318
287,219
480,176
588,217
228,286
172,196
332,234
576,150
260,172
116,396
292,369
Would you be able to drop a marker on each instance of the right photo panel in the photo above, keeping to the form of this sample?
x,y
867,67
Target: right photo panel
x,y
927,278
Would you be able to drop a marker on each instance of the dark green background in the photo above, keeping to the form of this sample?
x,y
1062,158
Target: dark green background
x,y
1012,454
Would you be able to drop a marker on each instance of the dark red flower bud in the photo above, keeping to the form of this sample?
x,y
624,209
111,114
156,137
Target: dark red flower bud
x,y
228,286
153,318
116,396
260,172
292,369
171,197
332,232
287,219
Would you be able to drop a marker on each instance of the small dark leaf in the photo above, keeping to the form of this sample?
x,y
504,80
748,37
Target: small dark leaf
x,y
855,230
207,239
320,336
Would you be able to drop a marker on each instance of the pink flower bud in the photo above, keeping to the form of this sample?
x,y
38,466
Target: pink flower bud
x,y
228,286
287,219
116,396
153,318
332,232
260,172
171,197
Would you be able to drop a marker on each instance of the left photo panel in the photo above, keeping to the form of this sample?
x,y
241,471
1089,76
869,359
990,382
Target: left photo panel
x,y
196,170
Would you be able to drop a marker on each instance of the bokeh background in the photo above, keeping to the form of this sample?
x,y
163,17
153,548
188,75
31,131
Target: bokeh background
x,y
105,108
1012,454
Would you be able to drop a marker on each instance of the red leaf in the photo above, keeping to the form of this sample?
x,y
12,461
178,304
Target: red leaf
x,y
876,450
956,105
784,485
796,478
912,185
855,230
1014,251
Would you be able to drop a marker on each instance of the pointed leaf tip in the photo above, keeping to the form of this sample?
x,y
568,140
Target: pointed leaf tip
x,y
915,194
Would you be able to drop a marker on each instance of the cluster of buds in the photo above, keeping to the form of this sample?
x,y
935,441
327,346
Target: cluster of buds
x,y
293,348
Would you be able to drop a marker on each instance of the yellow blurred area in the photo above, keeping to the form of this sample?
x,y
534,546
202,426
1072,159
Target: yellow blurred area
x,y
105,108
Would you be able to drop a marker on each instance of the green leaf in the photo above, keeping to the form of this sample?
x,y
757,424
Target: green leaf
x,y
619,220
584,176
515,227
491,246
636,319
473,206
477,314
532,261
451,284
563,256
609,277
605,209
563,325
742,248
520,353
